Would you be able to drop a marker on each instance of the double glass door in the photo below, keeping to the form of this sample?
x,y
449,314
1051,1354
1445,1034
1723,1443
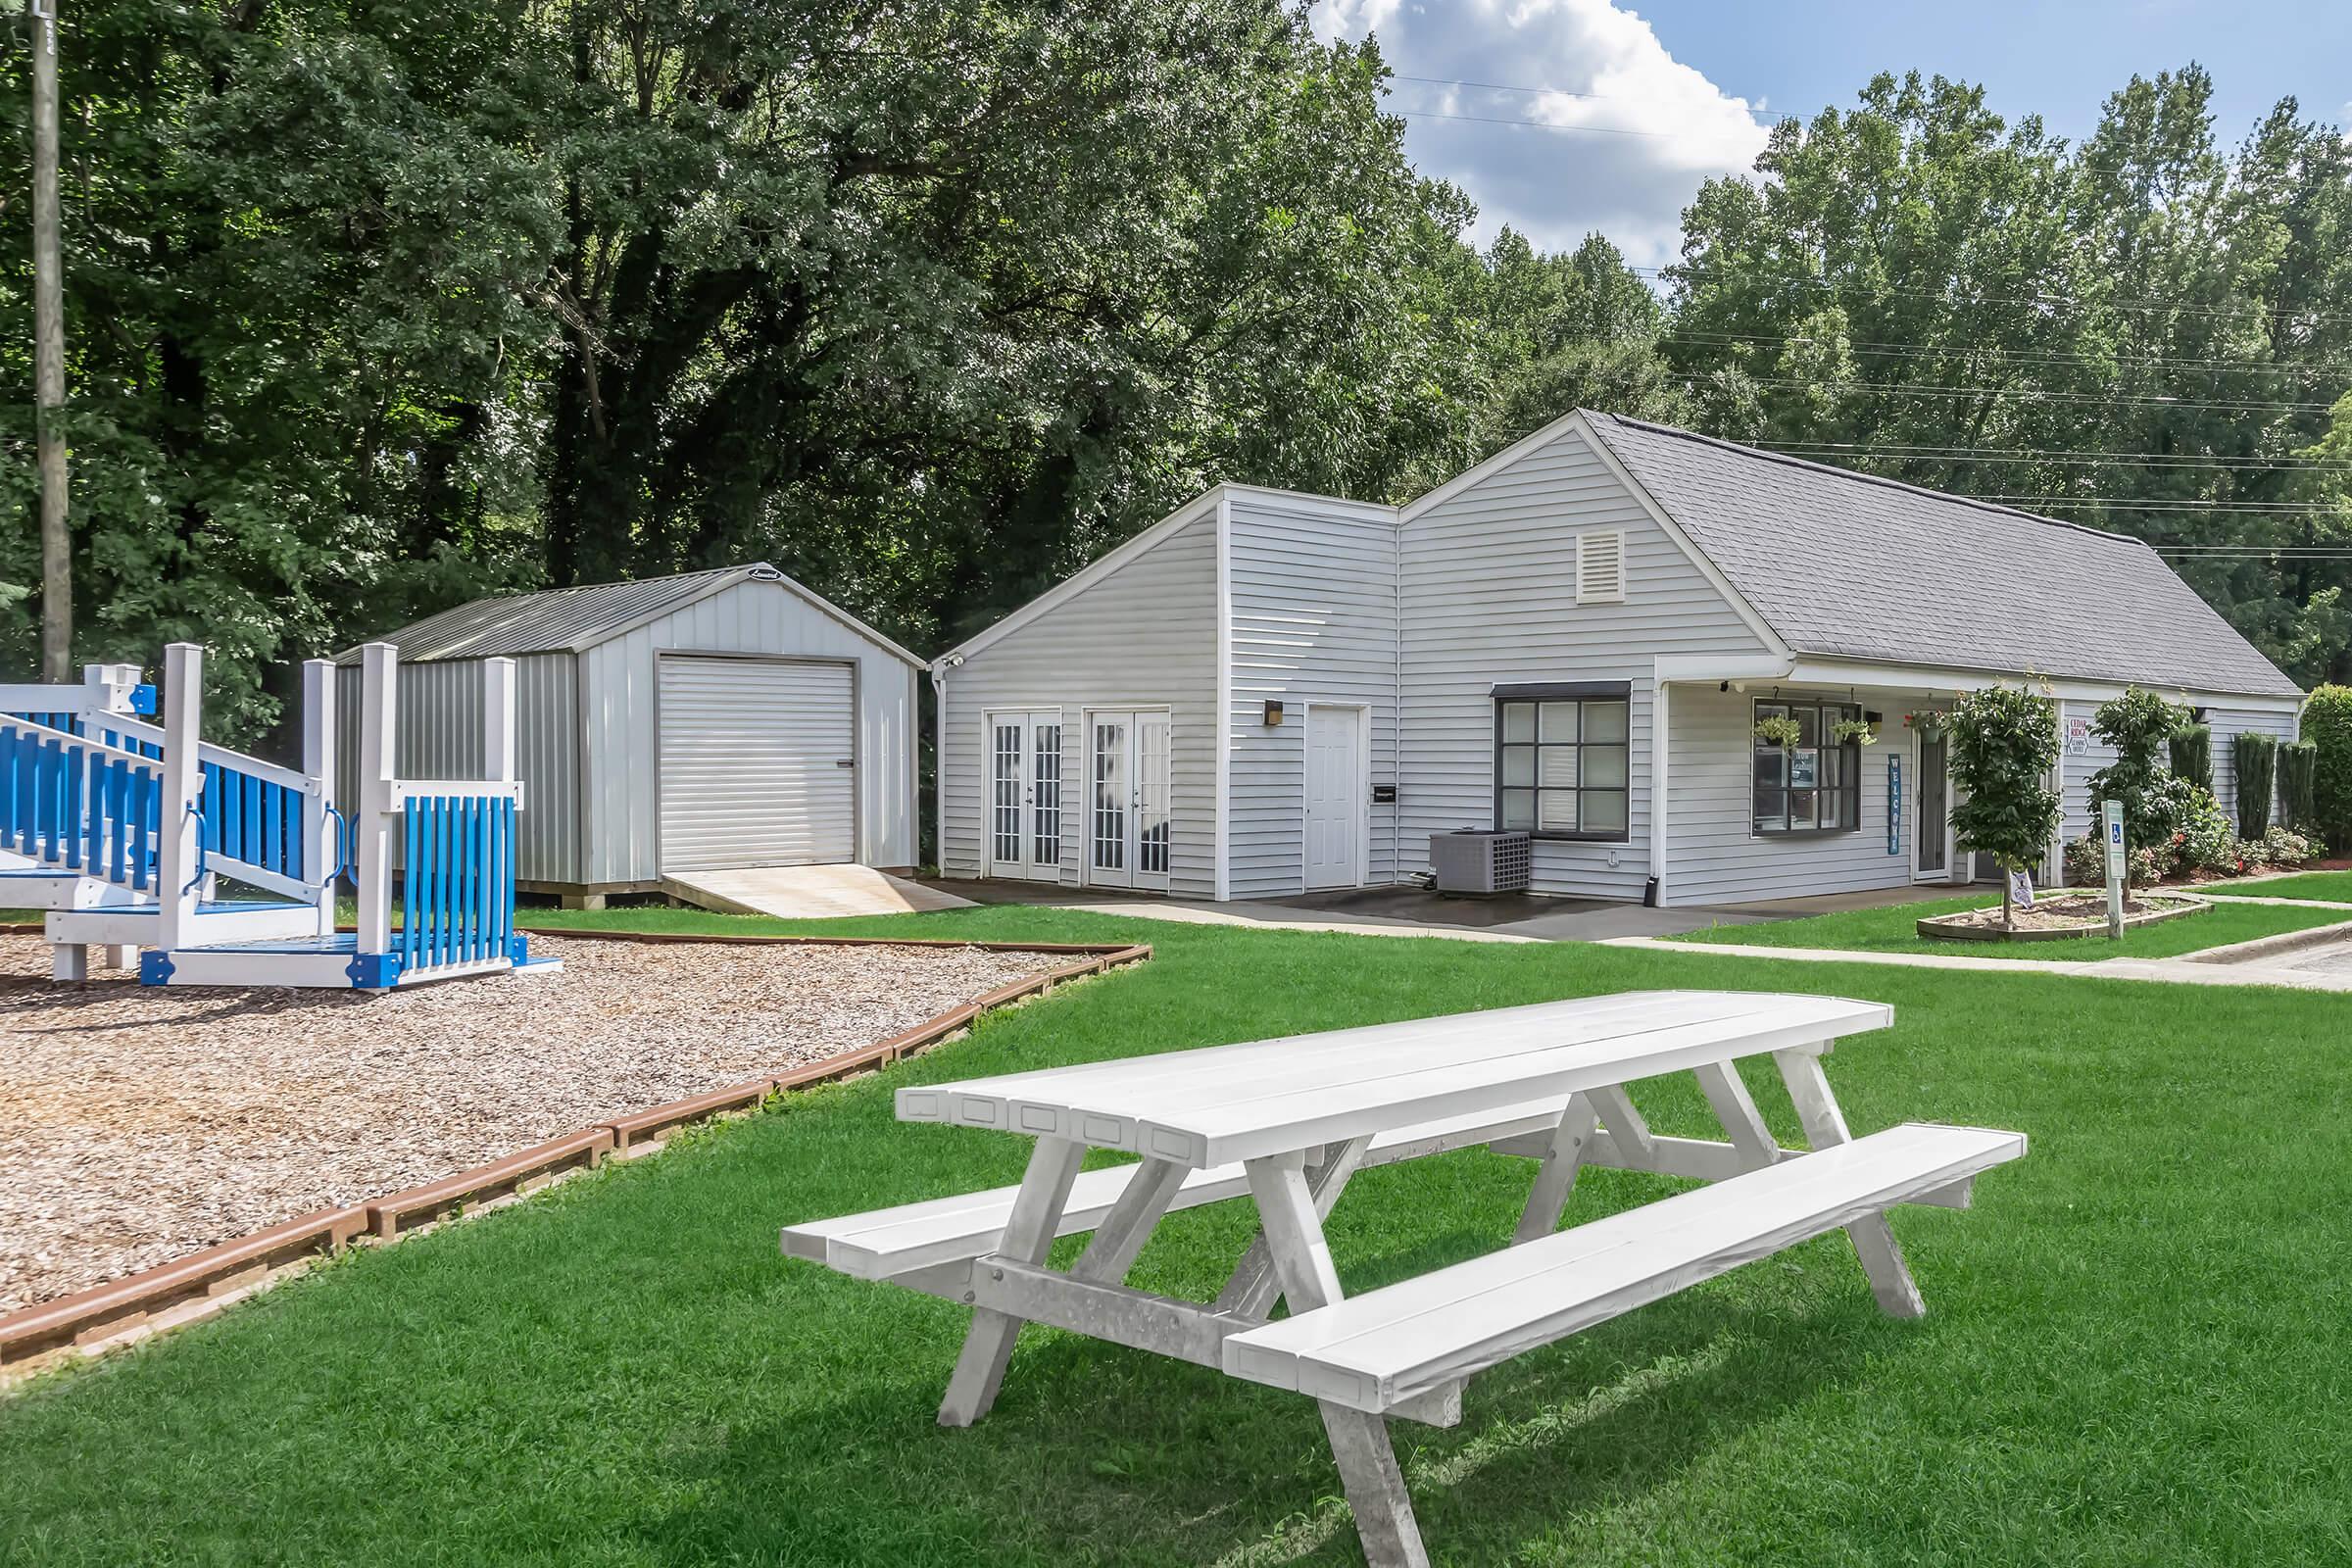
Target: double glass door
x,y
1127,798
1024,800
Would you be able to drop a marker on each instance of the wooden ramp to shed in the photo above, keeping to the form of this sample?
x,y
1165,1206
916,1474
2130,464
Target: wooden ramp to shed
x,y
807,892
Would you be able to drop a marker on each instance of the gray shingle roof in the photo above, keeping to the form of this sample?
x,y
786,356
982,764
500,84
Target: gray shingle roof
x,y
1856,567
553,620
574,619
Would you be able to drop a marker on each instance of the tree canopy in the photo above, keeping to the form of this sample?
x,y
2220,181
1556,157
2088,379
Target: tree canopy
x,y
373,308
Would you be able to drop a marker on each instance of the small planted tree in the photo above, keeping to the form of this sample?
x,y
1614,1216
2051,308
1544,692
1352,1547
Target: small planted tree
x,y
2139,725
2192,754
2254,756
2004,744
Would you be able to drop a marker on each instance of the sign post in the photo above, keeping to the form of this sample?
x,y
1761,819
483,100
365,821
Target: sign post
x,y
2111,813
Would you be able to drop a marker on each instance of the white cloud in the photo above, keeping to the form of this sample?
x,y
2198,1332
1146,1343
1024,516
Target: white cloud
x,y
1603,67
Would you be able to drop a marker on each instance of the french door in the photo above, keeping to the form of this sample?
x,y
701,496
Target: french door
x,y
1127,798
1024,794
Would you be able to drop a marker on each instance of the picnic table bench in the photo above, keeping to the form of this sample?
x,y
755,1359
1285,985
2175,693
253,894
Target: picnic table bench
x,y
1287,1122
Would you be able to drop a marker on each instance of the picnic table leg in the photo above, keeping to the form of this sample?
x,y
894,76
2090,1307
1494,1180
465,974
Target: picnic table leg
x,y
1129,1224
1359,1442
1555,1178
1028,1237
1252,1286
1873,1239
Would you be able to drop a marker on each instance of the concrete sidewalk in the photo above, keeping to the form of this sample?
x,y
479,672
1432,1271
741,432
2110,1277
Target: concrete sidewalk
x,y
1415,911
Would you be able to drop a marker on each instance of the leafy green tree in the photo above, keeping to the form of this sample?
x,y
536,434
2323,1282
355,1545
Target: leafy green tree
x,y
2137,724
2004,744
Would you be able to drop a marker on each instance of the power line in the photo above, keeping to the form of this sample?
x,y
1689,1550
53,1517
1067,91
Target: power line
x,y
2189,465
2122,399
1538,125
1902,449
2005,356
2140,302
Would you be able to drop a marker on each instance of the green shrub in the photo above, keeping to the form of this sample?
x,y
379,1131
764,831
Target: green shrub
x,y
2192,754
2200,839
2136,724
2255,757
2327,725
2295,764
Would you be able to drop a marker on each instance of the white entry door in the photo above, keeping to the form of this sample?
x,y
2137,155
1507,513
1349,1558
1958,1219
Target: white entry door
x,y
1335,796
1127,801
1024,794
757,763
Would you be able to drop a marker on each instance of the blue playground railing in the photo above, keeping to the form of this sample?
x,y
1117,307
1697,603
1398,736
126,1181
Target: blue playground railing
x,y
78,804
458,880
250,821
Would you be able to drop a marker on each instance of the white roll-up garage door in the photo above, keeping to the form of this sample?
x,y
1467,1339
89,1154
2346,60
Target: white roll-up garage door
x,y
754,763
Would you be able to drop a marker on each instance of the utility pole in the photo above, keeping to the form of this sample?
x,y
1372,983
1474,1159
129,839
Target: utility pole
x,y
49,356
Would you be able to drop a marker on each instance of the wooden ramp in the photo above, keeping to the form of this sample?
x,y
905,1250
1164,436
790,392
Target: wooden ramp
x,y
807,892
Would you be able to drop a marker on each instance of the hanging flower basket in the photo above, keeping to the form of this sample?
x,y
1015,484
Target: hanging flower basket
x,y
1778,732
1854,732
1928,724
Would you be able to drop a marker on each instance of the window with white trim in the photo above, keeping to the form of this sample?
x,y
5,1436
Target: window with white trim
x,y
1814,784
1564,759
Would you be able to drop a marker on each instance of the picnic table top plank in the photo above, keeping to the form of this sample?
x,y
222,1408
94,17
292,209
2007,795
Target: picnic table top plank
x,y
1226,1102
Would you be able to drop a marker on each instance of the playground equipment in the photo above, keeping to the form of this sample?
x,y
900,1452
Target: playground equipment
x,y
122,829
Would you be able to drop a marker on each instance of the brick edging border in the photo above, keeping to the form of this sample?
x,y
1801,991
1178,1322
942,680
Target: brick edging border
x,y
118,1306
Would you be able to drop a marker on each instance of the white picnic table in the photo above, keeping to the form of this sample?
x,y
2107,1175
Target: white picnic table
x,y
1287,1122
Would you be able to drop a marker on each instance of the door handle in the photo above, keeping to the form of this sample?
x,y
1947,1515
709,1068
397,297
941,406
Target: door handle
x,y
845,761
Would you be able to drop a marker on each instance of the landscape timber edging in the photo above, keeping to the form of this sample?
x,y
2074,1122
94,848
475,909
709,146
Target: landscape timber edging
x,y
217,1273
1946,928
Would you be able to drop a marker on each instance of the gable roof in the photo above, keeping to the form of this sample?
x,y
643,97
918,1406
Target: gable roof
x,y
1852,565
575,619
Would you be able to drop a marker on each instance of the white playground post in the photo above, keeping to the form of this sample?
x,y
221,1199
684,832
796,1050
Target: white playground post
x,y
371,817
318,762
498,720
183,787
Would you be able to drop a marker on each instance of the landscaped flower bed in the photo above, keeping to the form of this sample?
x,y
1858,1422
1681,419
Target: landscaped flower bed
x,y
2060,916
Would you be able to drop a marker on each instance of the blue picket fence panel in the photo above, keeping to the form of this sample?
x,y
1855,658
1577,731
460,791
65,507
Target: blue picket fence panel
x,y
458,880
73,806
253,820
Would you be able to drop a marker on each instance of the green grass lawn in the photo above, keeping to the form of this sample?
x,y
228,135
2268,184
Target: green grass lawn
x,y
1892,929
2134,1351
2335,885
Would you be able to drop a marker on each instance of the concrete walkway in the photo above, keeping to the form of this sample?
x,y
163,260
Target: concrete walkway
x,y
2323,964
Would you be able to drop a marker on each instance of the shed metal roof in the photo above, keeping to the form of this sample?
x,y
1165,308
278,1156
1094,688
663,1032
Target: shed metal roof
x,y
1853,566
575,619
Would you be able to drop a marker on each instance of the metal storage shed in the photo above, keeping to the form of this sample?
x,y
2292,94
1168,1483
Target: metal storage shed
x,y
674,725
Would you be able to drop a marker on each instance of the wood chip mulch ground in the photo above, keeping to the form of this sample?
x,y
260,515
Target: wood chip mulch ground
x,y
141,1124
2070,912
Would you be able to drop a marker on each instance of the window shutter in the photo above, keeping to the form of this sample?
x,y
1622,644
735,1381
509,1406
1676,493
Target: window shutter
x,y
1600,568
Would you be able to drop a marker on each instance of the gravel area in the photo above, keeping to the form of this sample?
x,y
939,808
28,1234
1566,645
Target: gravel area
x,y
141,1124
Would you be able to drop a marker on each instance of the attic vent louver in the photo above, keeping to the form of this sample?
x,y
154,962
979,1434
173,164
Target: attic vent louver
x,y
1600,568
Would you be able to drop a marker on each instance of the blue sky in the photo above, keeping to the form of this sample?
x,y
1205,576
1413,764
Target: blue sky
x,y
1698,80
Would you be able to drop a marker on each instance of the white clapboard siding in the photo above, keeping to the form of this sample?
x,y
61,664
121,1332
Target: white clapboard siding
x,y
1490,597
1314,621
757,763
1141,636
1202,1107
1373,1352
1714,854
